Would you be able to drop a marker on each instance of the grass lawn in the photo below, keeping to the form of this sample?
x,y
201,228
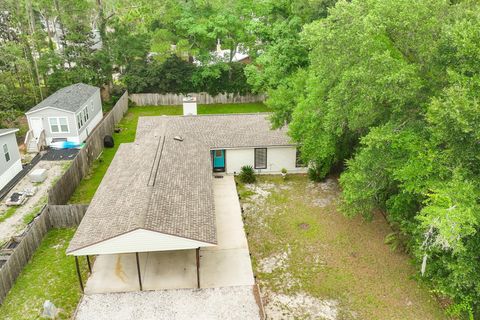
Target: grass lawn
x,y
8,213
85,191
50,275
313,263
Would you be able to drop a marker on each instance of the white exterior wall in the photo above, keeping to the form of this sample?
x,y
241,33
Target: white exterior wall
x,y
46,113
277,158
237,158
9,169
95,116
140,240
90,126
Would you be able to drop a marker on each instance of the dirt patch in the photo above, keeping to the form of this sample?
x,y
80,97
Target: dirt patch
x,y
300,306
261,191
276,261
304,226
15,223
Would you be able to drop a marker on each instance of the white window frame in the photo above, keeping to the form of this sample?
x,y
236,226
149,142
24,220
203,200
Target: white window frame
x,y
58,124
82,117
79,121
6,153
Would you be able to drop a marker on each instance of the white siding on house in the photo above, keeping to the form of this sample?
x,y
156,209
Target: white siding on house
x,y
45,114
90,126
95,112
140,240
277,158
9,169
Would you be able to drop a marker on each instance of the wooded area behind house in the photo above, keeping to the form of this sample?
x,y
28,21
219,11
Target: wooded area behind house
x,y
385,92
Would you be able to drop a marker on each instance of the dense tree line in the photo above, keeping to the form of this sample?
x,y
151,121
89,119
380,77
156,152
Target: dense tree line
x,y
46,45
389,95
176,75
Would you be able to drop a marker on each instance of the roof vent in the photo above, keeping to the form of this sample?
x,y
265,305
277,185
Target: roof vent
x,y
178,138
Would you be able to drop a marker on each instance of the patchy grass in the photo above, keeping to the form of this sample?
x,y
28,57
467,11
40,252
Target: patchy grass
x,y
36,210
50,275
88,186
314,263
8,213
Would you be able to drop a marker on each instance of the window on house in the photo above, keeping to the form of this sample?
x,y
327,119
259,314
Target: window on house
x,y
58,125
6,153
261,158
54,125
79,121
298,159
63,124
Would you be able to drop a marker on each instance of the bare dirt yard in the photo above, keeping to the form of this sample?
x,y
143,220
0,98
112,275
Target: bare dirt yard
x,y
311,262
14,219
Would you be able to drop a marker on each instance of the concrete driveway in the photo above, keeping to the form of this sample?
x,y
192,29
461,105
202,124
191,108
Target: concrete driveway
x,y
227,264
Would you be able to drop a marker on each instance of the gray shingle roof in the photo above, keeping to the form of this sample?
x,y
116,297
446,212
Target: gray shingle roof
x,y
161,184
70,98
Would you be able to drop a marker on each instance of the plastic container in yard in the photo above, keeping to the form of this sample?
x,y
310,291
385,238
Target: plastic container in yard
x,y
38,175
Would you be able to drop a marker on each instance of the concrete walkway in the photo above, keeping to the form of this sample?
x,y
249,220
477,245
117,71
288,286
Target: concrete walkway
x,y
226,267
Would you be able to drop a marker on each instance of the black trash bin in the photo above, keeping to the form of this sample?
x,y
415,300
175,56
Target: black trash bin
x,y
108,142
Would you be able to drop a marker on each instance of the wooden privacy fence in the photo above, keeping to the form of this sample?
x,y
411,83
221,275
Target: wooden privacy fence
x,y
169,99
18,251
61,192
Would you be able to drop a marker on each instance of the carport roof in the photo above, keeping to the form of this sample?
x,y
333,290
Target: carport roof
x,y
164,185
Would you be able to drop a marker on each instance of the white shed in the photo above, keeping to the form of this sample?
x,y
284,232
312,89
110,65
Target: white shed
x,y
70,114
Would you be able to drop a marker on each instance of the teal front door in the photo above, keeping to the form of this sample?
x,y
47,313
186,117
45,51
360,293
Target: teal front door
x,y
218,158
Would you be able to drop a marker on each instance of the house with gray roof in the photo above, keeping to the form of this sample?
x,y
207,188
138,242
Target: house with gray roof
x,y
10,161
70,114
157,193
161,199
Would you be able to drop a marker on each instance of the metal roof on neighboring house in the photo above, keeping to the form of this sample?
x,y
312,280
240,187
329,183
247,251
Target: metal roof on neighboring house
x,y
4,132
70,98
161,184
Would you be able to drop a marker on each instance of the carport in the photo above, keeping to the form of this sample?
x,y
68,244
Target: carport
x,y
155,221
225,265
155,201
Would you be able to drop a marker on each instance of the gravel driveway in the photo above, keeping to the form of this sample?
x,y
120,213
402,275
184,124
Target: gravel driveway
x,y
227,303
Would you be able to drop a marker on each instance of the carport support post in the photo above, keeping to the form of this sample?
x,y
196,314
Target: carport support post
x,y
89,265
138,270
78,273
198,267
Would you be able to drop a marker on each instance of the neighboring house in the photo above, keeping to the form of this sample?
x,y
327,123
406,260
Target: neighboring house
x,y
157,194
70,114
10,162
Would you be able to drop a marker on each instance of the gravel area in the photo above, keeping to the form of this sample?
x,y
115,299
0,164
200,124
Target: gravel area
x,y
15,224
183,304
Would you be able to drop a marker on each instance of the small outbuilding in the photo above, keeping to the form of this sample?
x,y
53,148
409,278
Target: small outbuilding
x,y
70,114
10,161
